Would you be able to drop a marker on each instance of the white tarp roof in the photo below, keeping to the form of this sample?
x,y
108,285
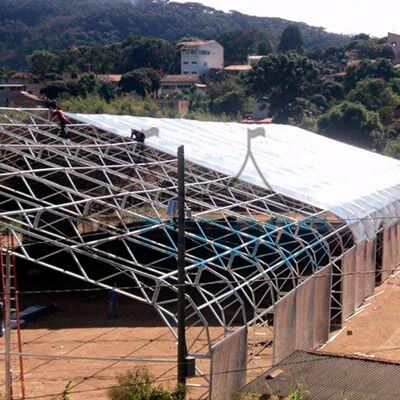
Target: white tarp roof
x,y
357,185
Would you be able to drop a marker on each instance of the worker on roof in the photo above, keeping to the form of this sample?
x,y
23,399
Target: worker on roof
x,y
61,118
138,136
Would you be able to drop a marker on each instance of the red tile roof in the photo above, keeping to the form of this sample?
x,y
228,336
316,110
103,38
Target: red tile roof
x,y
180,79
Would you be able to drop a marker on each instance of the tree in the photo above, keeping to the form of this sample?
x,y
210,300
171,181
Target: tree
x,y
291,39
283,78
43,62
231,103
54,90
142,81
238,44
375,95
351,123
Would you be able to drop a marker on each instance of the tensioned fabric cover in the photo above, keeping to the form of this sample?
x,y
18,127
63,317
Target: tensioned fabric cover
x,y
359,186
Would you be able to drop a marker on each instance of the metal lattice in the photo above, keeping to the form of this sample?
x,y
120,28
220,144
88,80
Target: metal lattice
x,y
94,207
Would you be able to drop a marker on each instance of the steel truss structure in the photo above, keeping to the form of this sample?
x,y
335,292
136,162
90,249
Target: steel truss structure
x,y
94,207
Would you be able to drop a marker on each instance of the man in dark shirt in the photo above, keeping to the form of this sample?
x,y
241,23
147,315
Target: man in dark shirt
x,y
138,136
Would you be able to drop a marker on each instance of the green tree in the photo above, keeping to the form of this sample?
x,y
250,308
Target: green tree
x,y
142,81
376,95
43,62
238,44
231,103
291,39
351,123
54,90
284,78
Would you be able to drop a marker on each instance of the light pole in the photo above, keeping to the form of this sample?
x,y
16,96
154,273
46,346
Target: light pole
x,y
182,352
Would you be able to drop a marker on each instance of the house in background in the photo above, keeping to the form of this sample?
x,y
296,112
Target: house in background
x,y
200,57
170,84
25,100
254,60
8,91
394,41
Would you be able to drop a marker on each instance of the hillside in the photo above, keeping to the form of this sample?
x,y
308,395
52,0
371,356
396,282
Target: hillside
x,y
28,25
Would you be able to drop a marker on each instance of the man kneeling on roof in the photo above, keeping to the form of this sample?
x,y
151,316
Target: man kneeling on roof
x,y
138,136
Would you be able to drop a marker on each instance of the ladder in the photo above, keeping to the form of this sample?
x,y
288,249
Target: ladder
x,y
11,319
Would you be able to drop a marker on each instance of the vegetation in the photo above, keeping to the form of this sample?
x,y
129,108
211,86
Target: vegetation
x,y
137,385
29,25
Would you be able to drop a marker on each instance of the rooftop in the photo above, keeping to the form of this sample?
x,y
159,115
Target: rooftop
x,y
297,163
110,77
330,377
195,43
244,67
180,79
17,85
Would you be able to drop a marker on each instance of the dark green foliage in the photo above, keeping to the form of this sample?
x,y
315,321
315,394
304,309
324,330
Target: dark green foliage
x,y
143,81
351,123
291,39
381,68
376,95
285,78
43,62
54,90
231,103
29,25
240,43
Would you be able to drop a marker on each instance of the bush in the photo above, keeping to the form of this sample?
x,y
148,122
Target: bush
x,y
137,385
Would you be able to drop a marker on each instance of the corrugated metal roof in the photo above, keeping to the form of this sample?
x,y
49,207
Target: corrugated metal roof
x,y
330,377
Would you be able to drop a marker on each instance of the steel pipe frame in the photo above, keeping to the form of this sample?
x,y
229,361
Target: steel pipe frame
x,y
248,264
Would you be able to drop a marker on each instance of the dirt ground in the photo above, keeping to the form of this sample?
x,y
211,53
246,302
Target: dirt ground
x,y
82,329
375,331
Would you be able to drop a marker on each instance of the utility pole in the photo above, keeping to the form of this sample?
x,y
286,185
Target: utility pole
x,y
182,351
7,326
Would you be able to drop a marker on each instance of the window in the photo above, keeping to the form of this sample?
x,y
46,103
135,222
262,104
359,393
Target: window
x,y
194,72
205,52
194,62
193,52
186,72
205,64
186,62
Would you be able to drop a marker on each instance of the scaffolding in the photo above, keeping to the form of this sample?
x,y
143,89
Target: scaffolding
x,y
94,207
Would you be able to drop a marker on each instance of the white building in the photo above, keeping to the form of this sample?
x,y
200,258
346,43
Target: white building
x,y
200,56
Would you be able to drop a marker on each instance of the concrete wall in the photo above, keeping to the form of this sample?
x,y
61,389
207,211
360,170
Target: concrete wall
x,y
228,365
302,317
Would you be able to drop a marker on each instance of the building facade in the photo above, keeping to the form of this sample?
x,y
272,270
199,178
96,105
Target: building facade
x,y
199,57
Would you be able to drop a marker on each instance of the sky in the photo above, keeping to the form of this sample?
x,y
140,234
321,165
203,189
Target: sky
x,y
375,17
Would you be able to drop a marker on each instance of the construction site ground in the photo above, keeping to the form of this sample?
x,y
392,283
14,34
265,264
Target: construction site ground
x,y
374,330
81,328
